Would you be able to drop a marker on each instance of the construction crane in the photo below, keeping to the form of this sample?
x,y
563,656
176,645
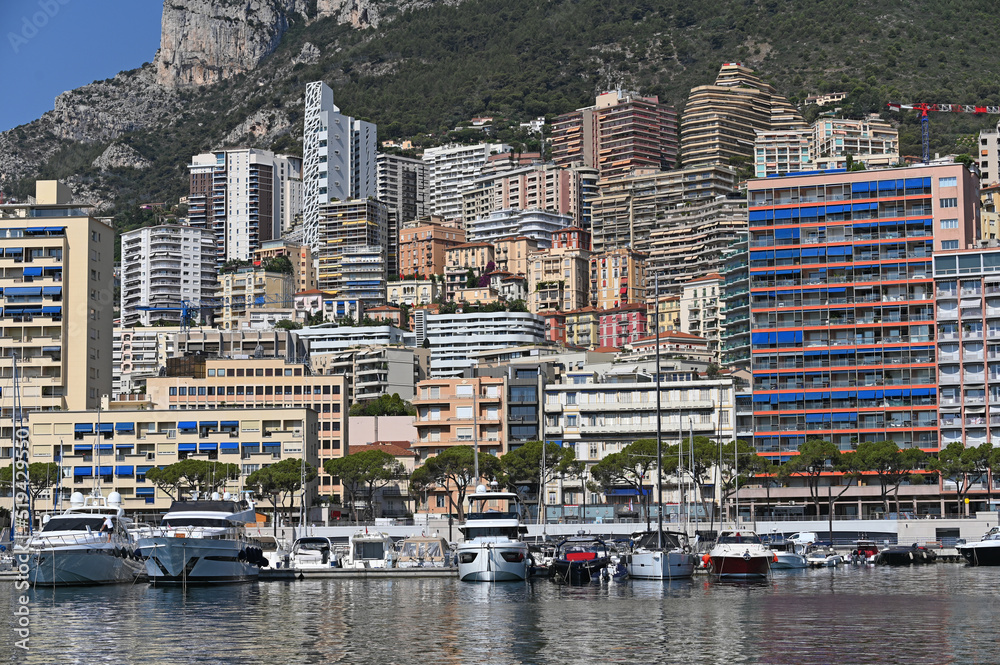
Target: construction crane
x,y
925,132
185,307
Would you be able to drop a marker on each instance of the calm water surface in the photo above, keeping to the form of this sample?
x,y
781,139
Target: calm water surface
x,y
943,613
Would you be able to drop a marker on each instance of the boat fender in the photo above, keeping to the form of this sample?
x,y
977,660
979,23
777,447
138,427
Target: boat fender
x,y
242,556
774,559
706,560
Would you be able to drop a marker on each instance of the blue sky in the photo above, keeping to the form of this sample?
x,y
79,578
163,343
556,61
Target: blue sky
x,y
50,46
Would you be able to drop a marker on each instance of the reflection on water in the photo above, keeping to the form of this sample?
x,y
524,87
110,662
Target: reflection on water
x,y
934,614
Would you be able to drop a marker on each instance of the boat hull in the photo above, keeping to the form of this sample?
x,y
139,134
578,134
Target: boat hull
x,y
661,565
788,561
82,566
493,562
577,572
196,561
736,566
981,556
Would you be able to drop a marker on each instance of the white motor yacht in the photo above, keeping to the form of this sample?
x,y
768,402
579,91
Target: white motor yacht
x,y
668,557
370,550
493,550
739,555
204,542
787,555
76,548
312,553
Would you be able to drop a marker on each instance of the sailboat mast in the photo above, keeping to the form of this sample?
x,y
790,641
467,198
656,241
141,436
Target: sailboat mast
x,y
659,438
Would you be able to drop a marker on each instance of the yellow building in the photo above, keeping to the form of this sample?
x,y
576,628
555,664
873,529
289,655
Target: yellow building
x,y
120,446
249,287
989,213
259,383
57,276
558,279
583,327
617,277
303,267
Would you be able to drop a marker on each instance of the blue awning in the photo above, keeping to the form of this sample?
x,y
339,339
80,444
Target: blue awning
x,y
55,229
893,393
142,469
624,491
83,427
866,394
208,423
83,448
144,491
271,444
187,447
52,309
762,398
230,445
32,272
124,427
106,446
35,229
106,427
124,445
124,470
814,417
230,423
920,392
52,290
83,471
208,446
841,394
187,424
841,417
23,291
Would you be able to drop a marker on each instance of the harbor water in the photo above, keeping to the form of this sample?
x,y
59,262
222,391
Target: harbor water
x,y
943,613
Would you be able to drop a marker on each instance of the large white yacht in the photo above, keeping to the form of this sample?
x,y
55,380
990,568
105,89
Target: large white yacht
x,y
75,547
493,550
204,542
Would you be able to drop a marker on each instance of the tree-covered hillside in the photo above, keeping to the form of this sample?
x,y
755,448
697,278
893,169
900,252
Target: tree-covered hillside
x,y
427,70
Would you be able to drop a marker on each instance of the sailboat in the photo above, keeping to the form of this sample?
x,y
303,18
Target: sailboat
x,y
660,555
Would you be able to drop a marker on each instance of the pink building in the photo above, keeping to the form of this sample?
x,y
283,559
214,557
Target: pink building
x,y
621,326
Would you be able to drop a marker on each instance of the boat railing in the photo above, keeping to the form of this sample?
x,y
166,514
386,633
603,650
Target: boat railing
x,y
91,538
203,533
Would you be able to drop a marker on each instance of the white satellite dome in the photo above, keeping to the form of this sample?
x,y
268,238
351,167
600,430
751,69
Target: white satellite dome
x,y
480,489
215,496
76,500
114,499
227,497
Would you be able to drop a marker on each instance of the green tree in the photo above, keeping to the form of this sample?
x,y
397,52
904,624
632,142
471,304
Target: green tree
x,y
523,466
454,471
287,324
192,474
280,264
891,465
738,465
383,405
368,469
700,466
958,464
816,457
279,482
470,279
631,467
41,476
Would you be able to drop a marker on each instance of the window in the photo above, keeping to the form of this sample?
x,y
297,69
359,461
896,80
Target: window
x,y
949,244
463,391
464,412
949,203
173,392
948,182
571,421
949,223
463,433
439,500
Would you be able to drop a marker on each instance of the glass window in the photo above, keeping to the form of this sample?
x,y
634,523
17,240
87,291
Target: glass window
x,y
948,182
949,223
949,203
949,244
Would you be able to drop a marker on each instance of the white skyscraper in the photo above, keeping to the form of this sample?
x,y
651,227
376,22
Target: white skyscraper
x,y
452,171
338,157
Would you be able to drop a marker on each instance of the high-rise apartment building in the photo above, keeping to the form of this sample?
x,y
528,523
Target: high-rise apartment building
x,y
354,255
700,310
843,326
629,208
720,120
58,305
162,268
455,339
563,190
247,288
423,247
452,170
826,145
300,256
244,196
338,158
620,132
559,278
402,186
617,277
538,225
690,239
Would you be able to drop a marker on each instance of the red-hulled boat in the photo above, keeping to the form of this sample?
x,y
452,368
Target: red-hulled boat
x,y
740,555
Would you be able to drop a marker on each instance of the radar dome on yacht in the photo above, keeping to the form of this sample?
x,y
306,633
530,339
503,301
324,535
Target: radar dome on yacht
x,y
114,499
76,499
480,489
215,496
46,518
227,497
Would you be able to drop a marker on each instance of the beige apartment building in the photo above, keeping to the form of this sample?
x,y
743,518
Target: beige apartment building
x,y
458,412
118,448
583,327
548,187
720,120
617,278
475,256
423,247
304,270
512,253
57,276
266,383
247,288
700,311
414,292
558,280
